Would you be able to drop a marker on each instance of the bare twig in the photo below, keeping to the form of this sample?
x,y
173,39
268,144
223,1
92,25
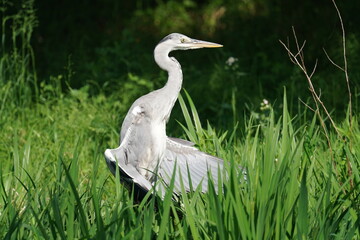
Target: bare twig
x,y
333,63
345,61
347,83
301,49
288,46
301,53
314,69
298,59
306,105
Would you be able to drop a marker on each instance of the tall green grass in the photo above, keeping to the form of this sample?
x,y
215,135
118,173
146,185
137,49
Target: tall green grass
x,y
18,77
54,183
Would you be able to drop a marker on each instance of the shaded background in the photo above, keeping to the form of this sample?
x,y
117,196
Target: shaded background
x,y
107,45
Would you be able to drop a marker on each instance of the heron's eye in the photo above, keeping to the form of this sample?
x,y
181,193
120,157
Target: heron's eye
x,y
182,40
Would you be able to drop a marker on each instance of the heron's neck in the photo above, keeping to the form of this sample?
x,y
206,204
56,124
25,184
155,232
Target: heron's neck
x,y
173,67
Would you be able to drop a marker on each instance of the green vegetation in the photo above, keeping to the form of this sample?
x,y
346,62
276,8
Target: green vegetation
x,y
302,177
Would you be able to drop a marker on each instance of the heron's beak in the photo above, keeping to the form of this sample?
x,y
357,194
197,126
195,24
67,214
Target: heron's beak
x,y
203,44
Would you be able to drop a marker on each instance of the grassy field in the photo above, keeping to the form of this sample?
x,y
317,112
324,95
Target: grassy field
x,y
302,181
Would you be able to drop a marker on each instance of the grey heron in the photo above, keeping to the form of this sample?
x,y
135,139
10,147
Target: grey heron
x,y
146,157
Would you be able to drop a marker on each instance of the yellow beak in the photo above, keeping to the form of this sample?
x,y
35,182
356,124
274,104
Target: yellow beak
x,y
204,44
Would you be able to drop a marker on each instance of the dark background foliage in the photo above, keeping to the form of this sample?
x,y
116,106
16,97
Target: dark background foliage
x,y
108,45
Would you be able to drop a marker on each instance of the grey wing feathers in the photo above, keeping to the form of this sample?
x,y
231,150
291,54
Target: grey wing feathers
x,y
181,141
128,173
120,157
188,159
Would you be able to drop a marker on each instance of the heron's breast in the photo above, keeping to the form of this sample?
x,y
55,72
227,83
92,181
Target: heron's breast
x,y
158,136
153,147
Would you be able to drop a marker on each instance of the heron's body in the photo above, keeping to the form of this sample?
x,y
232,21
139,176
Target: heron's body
x,y
145,152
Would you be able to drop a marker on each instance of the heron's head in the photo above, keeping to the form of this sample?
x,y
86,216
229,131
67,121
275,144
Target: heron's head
x,y
177,41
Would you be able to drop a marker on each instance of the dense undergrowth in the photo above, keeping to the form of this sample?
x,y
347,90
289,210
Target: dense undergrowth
x,y
54,183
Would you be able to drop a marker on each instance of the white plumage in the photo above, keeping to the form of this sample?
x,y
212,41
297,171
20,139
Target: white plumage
x,y
146,156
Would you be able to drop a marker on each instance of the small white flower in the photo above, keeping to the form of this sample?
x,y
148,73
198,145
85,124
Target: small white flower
x,y
231,61
266,102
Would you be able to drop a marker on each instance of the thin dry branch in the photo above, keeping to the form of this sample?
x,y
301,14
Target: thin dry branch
x,y
333,63
298,59
288,44
345,61
301,49
300,62
301,53
314,69
347,83
306,105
